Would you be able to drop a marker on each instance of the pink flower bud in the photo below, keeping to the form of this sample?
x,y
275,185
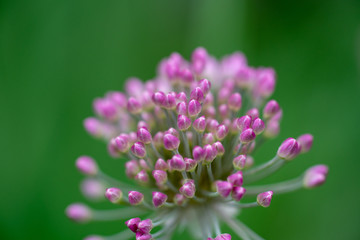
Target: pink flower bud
x,y
221,132
224,188
253,113
197,94
188,189
224,236
224,111
199,58
93,126
212,125
194,108
247,136
118,98
170,101
132,224
171,142
198,153
114,195
143,236
177,163
289,149
78,212
238,193
144,164
158,139
270,109
122,143
264,199
235,102
239,162
143,135
87,165
236,179
205,86
266,82
134,106
219,148
190,164
208,138
258,126
249,162
161,165
158,98
181,108
160,176
158,199
183,122
179,199
105,108
272,129
305,141
210,153
187,77
200,124
135,198
132,168
223,95
243,123
315,176
138,149
142,177
92,188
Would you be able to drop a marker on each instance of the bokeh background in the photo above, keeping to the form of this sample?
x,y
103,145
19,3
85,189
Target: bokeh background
x,y
57,56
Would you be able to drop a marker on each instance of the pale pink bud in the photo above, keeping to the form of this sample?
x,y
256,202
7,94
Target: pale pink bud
x,y
208,138
219,148
188,189
181,108
183,122
114,195
239,162
179,199
315,176
198,60
236,179
161,165
78,212
158,98
205,86
138,149
142,177
270,109
197,94
177,163
224,111
194,108
190,164
172,131
171,142
253,113
93,126
145,226
143,135
210,153
92,188
170,101
243,123
235,102
272,129
266,81
212,125
87,165
305,141
158,139
135,198
132,168
132,224
160,176
258,126
134,106
198,153
248,135
122,143
221,132
264,199
289,149
238,193
200,124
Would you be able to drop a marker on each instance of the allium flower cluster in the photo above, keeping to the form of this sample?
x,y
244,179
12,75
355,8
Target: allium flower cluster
x,y
189,135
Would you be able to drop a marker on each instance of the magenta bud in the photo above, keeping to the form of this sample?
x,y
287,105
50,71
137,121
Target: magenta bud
x,y
239,162
161,164
205,86
221,132
236,179
142,177
253,113
179,199
143,135
219,148
305,141
198,154
289,149
78,212
93,126
134,106
122,143
243,123
171,142
132,168
197,94
158,98
238,193
177,163
181,108
212,125
105,108
224,188
264,199
266,81
183,122
158,139
170,101
223,94
160,176
258,126
114,195
172,131
190,164
210,153
135,198
235,102
181,97
158,199
92,188
199,58
132,224
144,164
315,176
143,236
87,165
272,129
208,138
138,149
270,109
188,189
194,108
200,124
247,136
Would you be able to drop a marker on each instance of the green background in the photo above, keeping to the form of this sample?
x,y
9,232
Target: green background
x,y
57,56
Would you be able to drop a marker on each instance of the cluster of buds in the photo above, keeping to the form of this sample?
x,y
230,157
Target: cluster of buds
x,y
190,135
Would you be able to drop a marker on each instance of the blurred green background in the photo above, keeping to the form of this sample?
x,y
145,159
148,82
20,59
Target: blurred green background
x,y
57,56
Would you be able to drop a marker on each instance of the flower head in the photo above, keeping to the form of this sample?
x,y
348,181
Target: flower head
x,y
189,135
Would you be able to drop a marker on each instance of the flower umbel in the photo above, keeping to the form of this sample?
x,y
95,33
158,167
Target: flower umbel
x,y
189,135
